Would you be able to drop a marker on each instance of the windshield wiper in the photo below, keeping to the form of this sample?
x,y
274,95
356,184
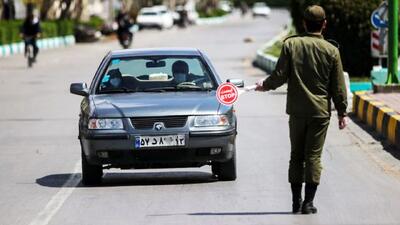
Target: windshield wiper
x,y
192,88
177,88
118,90
159,89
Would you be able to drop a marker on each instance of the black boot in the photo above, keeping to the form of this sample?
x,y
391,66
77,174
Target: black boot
x,y
296,197
308,205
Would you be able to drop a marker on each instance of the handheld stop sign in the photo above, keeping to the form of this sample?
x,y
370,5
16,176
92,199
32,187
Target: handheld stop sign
x,y
227,93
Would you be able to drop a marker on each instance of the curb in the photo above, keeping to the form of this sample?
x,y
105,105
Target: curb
x,y
268,62
378,116
43,44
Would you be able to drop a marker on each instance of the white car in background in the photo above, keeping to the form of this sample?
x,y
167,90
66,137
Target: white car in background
x,y
156,16
260,9
226,6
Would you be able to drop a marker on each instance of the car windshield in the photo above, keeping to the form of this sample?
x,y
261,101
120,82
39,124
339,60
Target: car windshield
x,y
156,74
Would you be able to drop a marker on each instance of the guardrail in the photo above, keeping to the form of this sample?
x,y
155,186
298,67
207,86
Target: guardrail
x,y
46,43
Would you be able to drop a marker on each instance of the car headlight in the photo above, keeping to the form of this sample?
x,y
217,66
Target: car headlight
x,y
211,121
106,124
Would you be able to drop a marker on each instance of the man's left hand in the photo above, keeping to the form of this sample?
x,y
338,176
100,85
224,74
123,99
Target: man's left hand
x,y
342,122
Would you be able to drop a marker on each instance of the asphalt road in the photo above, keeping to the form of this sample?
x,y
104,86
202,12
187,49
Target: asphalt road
x,y
40,154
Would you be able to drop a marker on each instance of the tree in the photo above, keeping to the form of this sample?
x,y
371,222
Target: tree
x,y
8,9
207,5
348,24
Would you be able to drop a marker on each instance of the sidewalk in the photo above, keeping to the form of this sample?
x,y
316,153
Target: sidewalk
x,y
381,112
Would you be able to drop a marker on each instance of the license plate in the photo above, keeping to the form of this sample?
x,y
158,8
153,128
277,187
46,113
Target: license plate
x,y
160,141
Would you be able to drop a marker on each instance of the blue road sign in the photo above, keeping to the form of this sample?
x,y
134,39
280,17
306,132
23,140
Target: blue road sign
x,y
379,17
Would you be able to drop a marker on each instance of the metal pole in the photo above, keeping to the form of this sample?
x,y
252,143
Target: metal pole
x,y
393,42
111,10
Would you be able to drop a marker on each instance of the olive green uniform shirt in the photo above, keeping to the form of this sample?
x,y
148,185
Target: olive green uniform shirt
x,y
313,70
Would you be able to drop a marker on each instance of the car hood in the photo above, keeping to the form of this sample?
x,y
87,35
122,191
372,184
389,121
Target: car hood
x,y
155,104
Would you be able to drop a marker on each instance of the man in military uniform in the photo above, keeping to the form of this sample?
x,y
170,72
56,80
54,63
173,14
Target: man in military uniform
x,y
313,71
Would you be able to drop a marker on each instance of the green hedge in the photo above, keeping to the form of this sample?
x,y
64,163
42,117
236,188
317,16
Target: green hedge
x,y
10,30
273,3
349,24
95,22
49,29
65,27
212,13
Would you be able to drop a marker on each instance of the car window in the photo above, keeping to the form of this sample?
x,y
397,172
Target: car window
x,y
149,13
158,73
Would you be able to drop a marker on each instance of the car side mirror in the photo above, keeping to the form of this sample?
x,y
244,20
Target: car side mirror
x,y
236,82
79,89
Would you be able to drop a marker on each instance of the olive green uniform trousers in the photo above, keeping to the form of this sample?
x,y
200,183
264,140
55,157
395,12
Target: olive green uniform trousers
x,y
307,137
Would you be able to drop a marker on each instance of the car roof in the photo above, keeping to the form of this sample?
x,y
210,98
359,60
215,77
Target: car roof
x,y
155,52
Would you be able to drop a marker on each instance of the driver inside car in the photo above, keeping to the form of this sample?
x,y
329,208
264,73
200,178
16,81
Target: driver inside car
x,y
180,71
114,81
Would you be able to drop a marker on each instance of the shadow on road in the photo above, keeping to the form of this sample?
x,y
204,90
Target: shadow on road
x,y
239,213
388,147
130,179
13,68
227,214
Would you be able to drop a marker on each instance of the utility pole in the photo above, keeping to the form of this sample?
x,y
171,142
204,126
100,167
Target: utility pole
x,y
393,12
111,15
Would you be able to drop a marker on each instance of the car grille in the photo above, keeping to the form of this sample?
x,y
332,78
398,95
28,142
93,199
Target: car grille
x,y
169,122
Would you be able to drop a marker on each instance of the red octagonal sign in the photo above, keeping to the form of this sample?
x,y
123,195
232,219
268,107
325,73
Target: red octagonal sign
x,y
227,93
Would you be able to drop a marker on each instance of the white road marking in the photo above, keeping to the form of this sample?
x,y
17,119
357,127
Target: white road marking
x,y
55,203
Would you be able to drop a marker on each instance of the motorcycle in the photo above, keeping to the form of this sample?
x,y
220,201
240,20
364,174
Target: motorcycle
x,y
125,39
29,51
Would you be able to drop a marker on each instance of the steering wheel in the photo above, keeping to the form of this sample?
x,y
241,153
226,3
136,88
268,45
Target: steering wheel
x,y
199,80
188,84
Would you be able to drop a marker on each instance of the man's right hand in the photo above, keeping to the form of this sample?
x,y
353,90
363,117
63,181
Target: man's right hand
x,y
260,86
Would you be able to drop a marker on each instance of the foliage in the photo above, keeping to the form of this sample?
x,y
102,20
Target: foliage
x,y
95,21
274,3
275,49
349,24
49,29
65,27
212,13
10,30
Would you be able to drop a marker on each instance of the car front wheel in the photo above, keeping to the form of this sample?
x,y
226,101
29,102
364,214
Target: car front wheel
x,y
91,174
225,171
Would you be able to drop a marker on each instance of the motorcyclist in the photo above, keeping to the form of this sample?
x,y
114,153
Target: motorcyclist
x,y
30,31
124,22
244,8
183,16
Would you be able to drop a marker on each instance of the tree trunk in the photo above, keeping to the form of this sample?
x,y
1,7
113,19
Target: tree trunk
x,y
8,10
65,10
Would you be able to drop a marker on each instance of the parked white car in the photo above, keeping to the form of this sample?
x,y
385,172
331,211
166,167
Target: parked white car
x,y
156,16
193,16
261,9
226,6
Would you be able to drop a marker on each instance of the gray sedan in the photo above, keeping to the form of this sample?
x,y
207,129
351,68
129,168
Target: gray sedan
x,y
155,108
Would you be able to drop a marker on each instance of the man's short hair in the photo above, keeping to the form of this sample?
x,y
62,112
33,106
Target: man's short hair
x,y
314,17
314,26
